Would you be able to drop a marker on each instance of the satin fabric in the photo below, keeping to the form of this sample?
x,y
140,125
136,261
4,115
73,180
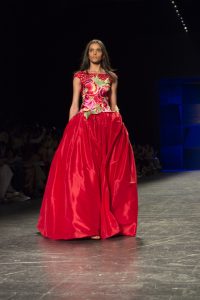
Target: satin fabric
x,y
92,183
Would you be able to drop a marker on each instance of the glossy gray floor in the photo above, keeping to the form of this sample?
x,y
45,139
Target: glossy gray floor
x,y
162,262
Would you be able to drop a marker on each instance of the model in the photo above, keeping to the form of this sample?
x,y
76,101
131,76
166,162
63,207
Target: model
x,y
91,189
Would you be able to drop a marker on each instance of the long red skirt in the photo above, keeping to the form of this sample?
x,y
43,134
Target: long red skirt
x,y
92,184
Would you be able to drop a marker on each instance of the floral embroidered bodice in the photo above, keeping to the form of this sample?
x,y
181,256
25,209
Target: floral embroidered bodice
x,y
95,92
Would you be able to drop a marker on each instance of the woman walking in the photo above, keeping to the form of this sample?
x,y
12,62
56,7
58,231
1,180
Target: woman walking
x,y
91,190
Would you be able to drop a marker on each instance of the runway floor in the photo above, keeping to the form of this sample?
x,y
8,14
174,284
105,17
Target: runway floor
x,y
161,263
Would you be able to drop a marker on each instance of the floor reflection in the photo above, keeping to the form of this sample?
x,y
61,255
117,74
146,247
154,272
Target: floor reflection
x,y
86,263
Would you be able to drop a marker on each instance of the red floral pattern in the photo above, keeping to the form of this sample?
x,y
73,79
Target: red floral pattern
x,y
95,92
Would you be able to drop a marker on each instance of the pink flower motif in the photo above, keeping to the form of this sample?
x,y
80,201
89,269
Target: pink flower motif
x,y
91,87
103,91
89,103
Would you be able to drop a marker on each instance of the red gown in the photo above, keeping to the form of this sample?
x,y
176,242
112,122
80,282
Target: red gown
x,y
91,187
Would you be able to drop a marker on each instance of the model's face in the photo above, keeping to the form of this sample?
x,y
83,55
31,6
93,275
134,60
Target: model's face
x,y
95,53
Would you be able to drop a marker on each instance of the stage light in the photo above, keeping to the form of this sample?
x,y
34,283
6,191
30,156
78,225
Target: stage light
x,y
179,15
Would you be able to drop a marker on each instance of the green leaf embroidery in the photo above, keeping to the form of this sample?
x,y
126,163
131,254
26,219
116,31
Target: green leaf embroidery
x,y
100,82
95,111
87,114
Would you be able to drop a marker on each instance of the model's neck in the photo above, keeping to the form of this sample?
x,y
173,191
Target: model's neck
x,y
95,68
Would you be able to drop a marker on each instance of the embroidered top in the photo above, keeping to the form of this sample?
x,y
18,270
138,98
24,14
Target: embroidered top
x,y
95,92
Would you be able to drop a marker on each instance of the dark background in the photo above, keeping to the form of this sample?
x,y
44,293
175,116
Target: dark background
x,y
43,42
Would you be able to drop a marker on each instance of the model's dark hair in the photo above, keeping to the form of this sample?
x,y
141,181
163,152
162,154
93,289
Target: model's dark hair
x,y
105,63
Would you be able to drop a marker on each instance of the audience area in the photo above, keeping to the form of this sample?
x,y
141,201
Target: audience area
x,y
26,152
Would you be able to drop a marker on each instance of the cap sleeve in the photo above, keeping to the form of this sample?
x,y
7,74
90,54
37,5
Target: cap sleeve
x,y
77,74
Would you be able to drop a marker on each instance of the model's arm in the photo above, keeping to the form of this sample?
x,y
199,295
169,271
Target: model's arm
x,y
113,97
75,98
